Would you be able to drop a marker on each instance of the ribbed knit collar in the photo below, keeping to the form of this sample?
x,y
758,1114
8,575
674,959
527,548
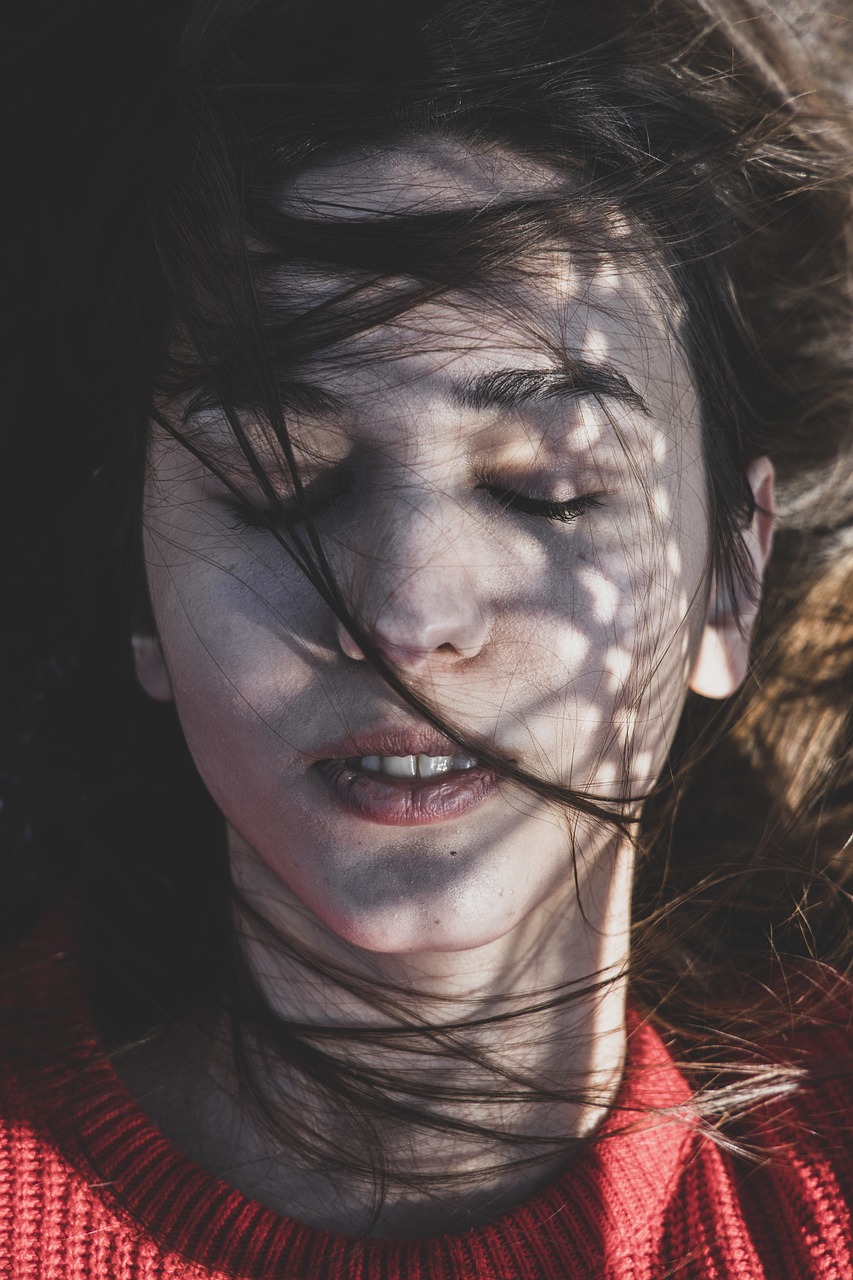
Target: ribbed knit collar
x,y
607,1210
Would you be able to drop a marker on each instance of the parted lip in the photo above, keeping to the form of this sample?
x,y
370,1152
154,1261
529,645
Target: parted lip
x,y
389,740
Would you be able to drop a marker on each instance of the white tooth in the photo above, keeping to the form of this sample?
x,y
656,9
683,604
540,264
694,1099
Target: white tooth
x,y
430,766
463,762
371,762
400,766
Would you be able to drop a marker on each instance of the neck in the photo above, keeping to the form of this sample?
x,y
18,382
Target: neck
x,y
477,1073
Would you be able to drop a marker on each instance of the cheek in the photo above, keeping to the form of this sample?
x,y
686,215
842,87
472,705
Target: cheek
x,y
225,605
631,621
235,659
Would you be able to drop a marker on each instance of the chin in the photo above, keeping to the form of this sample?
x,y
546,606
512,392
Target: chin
x,y
410,937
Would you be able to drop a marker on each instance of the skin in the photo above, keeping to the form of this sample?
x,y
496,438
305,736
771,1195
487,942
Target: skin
x,y
569,646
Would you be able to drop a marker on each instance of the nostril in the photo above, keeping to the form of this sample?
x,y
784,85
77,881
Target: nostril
x,y
347,644
428,616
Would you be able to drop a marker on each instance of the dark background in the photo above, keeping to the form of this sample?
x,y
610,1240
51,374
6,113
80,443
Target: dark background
x,y
82,83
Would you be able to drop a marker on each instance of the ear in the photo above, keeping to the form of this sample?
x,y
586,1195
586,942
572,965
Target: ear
x,y
723,657
151,666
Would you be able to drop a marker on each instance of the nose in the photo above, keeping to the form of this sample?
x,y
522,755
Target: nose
x,y
421,594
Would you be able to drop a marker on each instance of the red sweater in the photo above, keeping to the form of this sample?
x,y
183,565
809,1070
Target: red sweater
x,y
647,1200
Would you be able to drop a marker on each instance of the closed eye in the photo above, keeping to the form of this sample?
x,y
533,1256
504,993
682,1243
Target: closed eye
x,y
318,500
285,514
562,512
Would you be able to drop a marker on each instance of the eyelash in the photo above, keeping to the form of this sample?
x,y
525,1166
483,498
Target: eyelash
x,y
245,518
559,512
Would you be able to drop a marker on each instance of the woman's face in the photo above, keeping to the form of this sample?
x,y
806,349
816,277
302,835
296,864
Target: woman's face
x,y
511,493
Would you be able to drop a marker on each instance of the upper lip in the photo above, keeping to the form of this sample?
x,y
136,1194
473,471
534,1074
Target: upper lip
x,y
389,741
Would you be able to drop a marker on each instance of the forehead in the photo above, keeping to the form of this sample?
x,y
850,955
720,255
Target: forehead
x,y
567,326
419,175
616,308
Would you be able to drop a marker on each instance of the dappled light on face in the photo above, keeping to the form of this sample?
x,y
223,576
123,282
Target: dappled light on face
x,y
508,487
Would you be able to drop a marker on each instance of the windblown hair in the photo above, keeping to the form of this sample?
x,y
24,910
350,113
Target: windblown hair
x,y
699,123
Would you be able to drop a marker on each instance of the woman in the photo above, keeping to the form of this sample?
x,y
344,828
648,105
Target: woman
x,y
467,349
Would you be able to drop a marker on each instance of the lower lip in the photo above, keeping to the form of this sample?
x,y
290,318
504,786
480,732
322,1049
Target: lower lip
x,y
405,802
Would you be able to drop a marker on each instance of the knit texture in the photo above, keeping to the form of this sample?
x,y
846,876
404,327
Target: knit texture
x,y
90,1190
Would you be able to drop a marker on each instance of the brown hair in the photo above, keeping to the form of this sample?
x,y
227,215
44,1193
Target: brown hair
x,y
747,858
700,122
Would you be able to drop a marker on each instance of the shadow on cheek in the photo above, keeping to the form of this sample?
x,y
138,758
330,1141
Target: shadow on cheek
x,y
403,876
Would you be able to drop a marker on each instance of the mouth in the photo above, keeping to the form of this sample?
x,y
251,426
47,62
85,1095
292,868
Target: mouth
x,y
412,766
414,789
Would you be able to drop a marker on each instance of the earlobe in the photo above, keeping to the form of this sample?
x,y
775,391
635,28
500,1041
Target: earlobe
x,y
723,658
721,663
150,666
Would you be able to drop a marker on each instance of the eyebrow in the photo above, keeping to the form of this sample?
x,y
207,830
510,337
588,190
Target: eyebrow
x,y
500,389
513,388
295,395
